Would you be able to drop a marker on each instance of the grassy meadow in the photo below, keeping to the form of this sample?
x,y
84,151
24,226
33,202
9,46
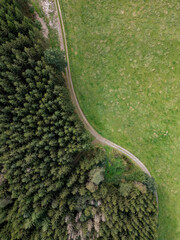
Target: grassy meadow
x,y
124,58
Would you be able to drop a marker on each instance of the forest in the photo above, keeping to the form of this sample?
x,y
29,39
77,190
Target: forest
x,y
54,184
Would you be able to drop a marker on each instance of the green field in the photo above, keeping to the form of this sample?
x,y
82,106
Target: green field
x,y
124,58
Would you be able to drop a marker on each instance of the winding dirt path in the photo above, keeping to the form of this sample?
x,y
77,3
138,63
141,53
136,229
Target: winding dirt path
x,y
93,132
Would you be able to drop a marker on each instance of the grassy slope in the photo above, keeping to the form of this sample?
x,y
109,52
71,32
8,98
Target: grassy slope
x,y
125,59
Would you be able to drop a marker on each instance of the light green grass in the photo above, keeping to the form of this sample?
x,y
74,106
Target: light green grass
x,y
124,58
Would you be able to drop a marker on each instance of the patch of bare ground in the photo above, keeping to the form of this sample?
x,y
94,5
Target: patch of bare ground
x,y
50,11
48,18
43,24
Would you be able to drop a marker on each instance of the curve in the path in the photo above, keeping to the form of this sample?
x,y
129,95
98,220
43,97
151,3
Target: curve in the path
x,y
77,106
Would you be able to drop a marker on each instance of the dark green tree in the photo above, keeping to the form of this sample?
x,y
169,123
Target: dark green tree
x,y
55,58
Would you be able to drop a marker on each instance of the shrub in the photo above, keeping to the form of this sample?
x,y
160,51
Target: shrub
x,y
138,176
150,183
91,187
5,201
114,169
55,58
125,189
141,187
97,175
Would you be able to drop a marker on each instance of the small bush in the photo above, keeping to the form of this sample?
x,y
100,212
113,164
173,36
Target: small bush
x,y
97,175
138,176
56,59
141,187
5,201
150,183
114,170
125,189
91,187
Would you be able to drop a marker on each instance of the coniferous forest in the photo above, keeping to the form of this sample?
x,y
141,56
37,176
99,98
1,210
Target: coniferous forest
x,y
54,185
